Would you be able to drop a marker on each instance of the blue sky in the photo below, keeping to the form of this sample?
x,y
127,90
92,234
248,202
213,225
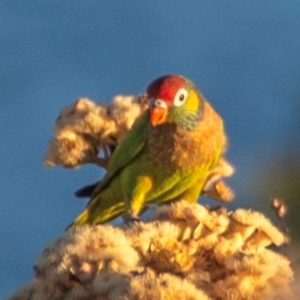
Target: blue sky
x,y
243,55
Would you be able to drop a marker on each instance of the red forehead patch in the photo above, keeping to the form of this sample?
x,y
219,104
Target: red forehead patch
x,y
165,87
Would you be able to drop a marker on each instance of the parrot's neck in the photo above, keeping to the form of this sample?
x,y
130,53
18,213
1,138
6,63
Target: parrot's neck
x,y
189,121
189,116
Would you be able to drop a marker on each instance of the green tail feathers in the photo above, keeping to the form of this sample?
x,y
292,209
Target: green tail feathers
x,y
81,220
103,208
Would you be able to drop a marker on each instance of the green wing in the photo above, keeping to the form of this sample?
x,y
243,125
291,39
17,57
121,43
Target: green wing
x,y
126,151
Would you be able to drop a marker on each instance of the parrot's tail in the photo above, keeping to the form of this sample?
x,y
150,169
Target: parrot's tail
x,y
102,209
81,220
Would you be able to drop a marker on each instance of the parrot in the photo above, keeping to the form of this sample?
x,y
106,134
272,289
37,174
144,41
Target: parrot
x,y
166,156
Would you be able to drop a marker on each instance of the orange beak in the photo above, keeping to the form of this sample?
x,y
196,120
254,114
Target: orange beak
x,y
158,113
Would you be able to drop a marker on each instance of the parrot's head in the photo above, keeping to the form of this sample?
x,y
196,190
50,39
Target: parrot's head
x,y
175,99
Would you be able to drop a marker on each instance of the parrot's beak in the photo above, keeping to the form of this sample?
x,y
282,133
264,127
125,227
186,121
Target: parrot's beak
x,y
158,112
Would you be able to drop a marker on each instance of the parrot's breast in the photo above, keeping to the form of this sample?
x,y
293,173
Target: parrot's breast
x,y
174,148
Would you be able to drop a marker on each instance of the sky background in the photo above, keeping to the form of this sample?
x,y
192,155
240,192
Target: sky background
x,y
243,55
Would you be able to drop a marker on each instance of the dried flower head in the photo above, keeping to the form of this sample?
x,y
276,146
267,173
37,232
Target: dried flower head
x,y
214,186
84,129
186,251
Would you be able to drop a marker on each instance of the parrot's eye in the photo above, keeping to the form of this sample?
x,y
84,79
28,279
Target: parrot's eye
x,y
180,97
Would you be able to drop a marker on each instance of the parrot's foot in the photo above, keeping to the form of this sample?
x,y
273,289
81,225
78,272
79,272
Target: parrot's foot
x,y
130,219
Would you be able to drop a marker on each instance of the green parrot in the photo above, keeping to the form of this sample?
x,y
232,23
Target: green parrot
x,y
167,155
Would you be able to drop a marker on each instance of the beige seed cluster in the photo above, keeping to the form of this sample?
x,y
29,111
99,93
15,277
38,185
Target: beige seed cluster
x,y
85,128
186,251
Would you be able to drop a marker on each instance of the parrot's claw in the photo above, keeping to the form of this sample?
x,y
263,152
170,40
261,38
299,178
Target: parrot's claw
x,y
130,219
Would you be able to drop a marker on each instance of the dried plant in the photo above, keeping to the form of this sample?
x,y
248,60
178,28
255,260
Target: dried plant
x,y
185,252
85,128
